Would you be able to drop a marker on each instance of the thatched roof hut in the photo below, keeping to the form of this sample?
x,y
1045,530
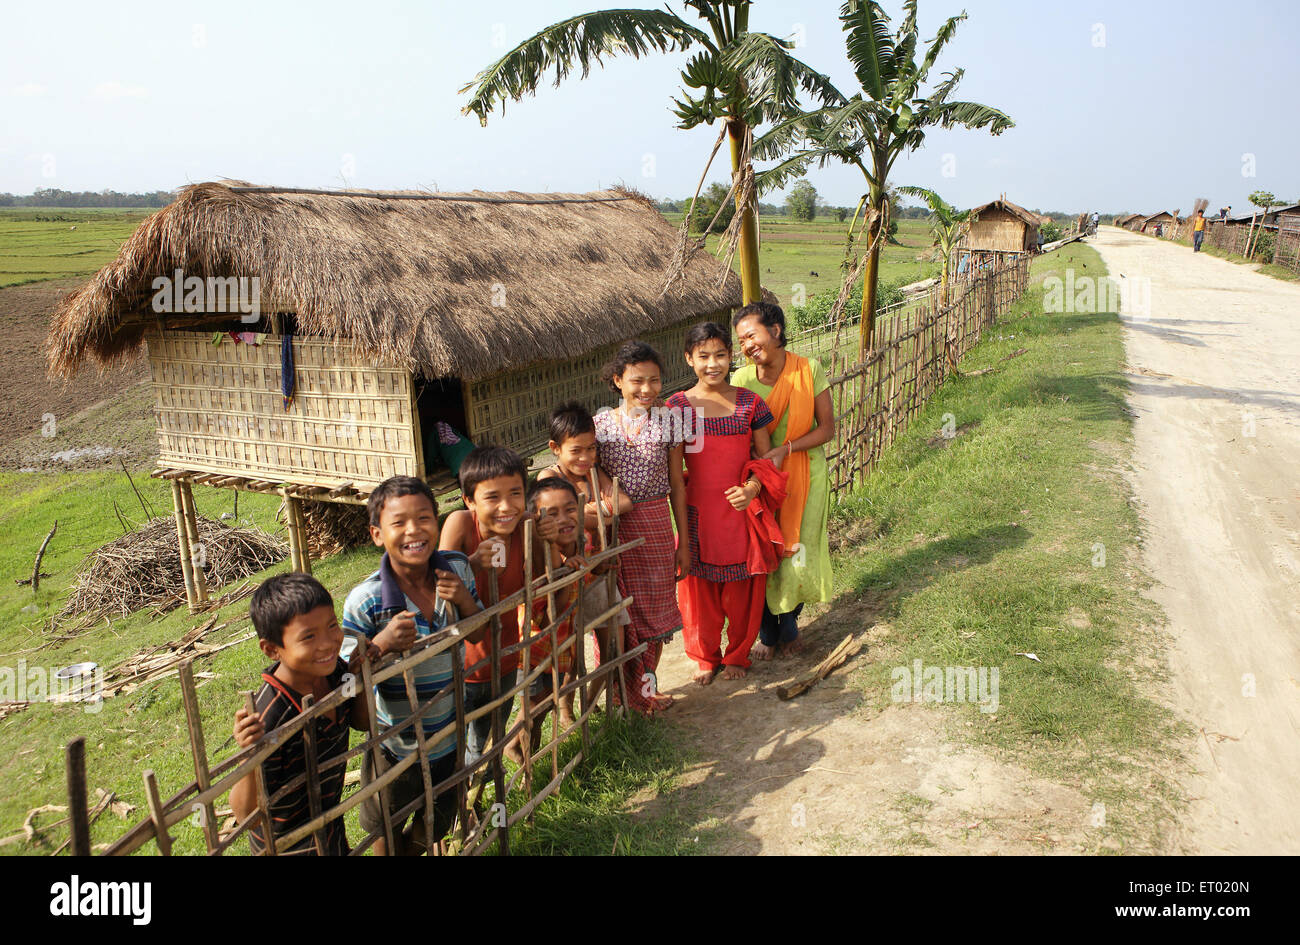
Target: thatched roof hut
x,y
1149,223
1001,226
464,285
480,310
1126,219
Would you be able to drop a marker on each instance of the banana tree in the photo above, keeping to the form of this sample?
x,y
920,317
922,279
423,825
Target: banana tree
x,y
947,226
765,90
887,117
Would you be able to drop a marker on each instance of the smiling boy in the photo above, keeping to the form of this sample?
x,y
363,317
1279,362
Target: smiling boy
x,y
493,481
293,615
416,592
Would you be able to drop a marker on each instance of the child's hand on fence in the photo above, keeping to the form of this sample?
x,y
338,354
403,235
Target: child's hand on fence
x,y
741,496
576,562
683,562
452,588
548,527
248,727
490,553
398,635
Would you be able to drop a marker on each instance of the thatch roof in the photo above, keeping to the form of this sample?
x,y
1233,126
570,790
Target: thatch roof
x,y
1002,203
411,278
1127,218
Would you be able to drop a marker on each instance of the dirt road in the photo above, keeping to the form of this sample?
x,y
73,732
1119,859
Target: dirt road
x,y
1214,363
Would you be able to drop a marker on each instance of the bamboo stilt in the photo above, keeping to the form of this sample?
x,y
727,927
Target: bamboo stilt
x,y
183,548
197,568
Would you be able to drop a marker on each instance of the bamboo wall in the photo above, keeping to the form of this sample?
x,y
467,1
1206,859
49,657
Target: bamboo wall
x,y
219,409
481,825
511,409
999,230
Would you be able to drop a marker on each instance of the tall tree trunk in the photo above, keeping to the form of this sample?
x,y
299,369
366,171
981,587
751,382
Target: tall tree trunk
x,y
868,323
736,133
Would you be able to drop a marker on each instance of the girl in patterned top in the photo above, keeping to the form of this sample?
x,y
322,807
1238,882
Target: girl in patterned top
x,y
639,443
719,586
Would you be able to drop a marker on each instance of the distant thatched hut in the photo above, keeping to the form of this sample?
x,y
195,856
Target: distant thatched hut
x,y
481,310
1000,228
1126,219
1148,224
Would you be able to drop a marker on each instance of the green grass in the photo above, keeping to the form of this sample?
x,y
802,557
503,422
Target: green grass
x,y
985,547
37,244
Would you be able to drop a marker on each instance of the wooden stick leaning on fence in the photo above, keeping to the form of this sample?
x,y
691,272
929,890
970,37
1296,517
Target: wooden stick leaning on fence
x,y
263,800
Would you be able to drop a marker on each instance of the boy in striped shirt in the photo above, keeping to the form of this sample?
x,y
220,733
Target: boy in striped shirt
x,y
416,592
296,627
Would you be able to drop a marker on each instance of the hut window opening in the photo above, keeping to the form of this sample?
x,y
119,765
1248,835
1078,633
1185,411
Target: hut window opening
x,y
444,429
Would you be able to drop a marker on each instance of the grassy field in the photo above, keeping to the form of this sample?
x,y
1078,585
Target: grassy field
x,y
792,252
40,243
974,550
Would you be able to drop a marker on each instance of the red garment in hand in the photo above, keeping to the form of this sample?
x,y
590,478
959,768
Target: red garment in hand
x,y
762,522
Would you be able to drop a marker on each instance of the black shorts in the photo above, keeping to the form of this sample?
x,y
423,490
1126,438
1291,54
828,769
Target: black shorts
x,y
404,789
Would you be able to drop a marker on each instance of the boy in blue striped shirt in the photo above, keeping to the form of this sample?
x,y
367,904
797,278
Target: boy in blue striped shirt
x,y
416,592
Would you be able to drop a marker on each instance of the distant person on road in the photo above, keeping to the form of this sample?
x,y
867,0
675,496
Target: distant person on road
x,y
1094,220
1198,231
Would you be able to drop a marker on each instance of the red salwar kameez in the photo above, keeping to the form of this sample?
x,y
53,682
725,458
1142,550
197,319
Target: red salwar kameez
x,y
720,588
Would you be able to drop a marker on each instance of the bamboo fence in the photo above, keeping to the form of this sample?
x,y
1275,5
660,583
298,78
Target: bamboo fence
x,y
480,826
1237,238
917,344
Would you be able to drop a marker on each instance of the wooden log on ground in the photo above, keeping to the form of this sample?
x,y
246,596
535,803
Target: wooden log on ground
x,y
847,649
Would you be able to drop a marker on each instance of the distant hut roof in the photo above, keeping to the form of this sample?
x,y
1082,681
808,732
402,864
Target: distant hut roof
x,y
1127,219
1158,215
1002,203
409,277
1257,213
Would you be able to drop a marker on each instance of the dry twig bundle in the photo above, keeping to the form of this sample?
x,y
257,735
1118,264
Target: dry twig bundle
x,y
334,526
143,568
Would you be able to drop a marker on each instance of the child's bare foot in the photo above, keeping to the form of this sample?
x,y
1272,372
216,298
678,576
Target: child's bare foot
x,y
761,651
515,753
735,672
792,648
705,676
566,718
660,703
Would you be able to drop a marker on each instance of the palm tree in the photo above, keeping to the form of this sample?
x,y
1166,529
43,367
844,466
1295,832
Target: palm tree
x,y
766,89
879,123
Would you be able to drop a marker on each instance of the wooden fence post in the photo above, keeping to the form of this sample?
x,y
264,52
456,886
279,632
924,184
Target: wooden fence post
x,y
78,816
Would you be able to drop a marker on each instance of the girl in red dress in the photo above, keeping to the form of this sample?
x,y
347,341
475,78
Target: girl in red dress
x,y
719,587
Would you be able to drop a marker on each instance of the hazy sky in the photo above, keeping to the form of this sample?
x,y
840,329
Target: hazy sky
x,y
1118,105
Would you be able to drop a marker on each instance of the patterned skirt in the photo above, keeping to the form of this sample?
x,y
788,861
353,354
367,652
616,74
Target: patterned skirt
x,y
648,574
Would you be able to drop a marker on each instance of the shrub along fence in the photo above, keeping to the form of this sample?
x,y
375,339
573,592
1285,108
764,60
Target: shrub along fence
x,y
481,825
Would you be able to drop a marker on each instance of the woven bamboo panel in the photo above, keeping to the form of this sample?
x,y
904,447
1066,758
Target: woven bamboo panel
x,y
511,409
219,409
